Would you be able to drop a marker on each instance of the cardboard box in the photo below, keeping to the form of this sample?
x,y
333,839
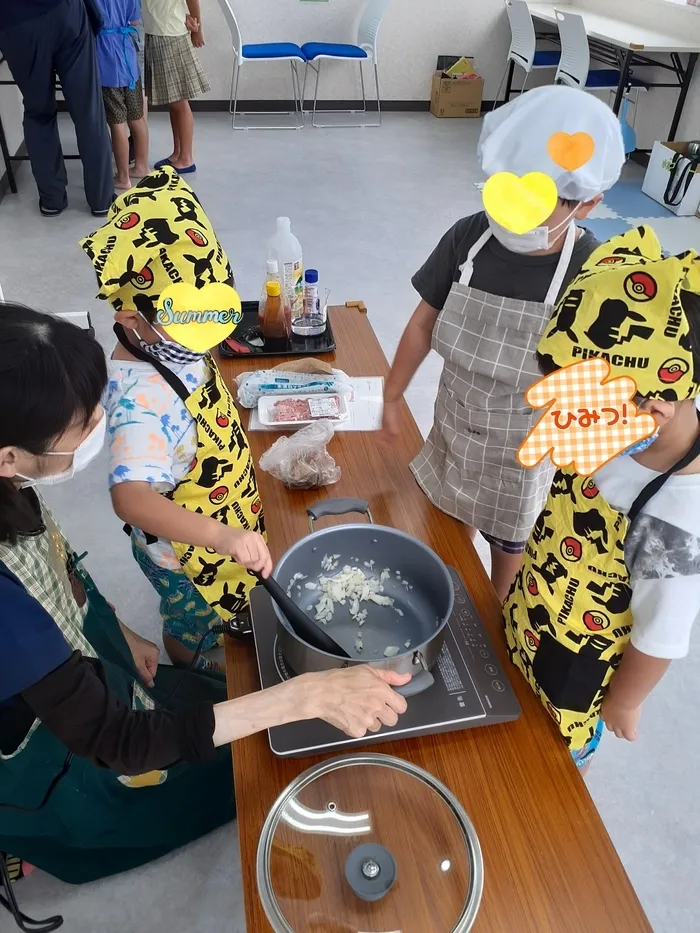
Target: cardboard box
x,y
679,194
456,97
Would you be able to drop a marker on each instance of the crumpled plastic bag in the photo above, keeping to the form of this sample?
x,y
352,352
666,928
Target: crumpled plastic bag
x,y
302,461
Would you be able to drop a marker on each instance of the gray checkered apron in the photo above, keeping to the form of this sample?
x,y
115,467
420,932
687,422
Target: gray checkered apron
x,y
468,466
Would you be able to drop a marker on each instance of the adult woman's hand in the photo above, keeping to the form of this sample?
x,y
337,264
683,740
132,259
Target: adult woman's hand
x,y
355,699
144,653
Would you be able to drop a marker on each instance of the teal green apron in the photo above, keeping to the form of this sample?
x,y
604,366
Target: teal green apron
x,y
93,825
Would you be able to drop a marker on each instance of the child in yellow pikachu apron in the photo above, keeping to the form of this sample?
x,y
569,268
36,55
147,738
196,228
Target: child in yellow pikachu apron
x,y
609,587
181,473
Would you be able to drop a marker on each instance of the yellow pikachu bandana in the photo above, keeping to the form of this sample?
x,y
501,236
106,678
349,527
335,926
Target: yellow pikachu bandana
x,y
157,235
625,306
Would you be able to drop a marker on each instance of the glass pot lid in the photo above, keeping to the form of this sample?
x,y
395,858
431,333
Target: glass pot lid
x,y
369,843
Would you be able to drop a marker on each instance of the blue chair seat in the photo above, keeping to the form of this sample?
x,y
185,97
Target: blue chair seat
x,y
608,77
546,59
273,50
312,50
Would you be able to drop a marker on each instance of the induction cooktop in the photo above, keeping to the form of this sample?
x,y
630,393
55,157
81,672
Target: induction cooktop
x,y
471,688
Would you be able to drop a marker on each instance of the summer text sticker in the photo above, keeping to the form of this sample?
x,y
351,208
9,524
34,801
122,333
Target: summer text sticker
x,y
198,318
520,204
589,419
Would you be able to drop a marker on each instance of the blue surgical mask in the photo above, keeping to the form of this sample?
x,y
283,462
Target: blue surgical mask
x,y
640,446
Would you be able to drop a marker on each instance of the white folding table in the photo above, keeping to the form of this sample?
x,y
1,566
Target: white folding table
x,y
626,44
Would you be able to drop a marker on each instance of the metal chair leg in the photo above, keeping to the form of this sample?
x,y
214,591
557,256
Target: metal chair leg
x,y
500,86
233,76
318,78
298,110
235,97
364,92
379,100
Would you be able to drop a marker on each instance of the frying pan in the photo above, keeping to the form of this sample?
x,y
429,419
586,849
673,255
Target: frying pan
x,y
419,583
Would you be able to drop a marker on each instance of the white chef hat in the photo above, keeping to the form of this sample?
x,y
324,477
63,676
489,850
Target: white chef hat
x,y
515,138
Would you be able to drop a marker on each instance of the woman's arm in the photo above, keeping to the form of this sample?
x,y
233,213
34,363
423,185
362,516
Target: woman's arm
x,y
75,703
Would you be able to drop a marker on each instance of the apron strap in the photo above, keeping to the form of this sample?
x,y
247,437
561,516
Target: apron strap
x,y
562,266
468,267
175,384
655,485
559,275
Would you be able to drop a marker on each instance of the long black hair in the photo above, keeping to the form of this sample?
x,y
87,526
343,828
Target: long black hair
x,y
52,376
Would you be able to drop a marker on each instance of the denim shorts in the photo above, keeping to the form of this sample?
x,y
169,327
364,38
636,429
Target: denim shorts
x,y
508,547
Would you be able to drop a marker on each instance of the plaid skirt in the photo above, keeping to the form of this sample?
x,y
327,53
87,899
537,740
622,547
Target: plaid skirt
x,y
173,71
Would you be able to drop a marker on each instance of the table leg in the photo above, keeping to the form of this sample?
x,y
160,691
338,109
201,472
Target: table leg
x,y
509,82
624,76
7,159
685,87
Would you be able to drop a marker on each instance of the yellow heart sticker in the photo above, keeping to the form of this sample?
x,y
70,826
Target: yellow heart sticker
x,y
199,318
520,204
570,150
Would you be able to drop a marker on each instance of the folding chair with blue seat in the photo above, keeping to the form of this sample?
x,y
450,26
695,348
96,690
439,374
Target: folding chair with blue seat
x,y
523,49
262,52
364,50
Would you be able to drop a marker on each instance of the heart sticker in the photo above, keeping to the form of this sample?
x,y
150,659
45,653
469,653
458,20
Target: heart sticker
x,y
570,150
520,204
199,318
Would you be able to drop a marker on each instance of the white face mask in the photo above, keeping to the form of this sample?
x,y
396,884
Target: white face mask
x,y
83,455
540,238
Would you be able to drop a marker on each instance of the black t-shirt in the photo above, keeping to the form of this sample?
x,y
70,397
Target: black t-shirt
x,y
496,269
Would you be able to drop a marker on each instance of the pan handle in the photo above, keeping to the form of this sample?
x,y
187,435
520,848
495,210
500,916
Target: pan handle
x,y
416,684
337,507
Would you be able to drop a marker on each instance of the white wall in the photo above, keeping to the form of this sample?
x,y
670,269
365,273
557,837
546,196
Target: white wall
x,y
11,111
413,34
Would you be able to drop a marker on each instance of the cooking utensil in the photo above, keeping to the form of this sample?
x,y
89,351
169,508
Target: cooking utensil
x,y
304,627
369,842
419,584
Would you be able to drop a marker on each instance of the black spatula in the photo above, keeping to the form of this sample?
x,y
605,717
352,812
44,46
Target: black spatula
x,y
303,626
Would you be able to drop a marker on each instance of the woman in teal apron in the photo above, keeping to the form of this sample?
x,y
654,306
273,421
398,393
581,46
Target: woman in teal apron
x,y
99,774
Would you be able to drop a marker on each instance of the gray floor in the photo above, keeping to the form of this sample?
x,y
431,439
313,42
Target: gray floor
x,y
368,206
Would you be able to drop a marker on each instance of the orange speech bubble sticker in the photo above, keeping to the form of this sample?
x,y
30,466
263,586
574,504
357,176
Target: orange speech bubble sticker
x,y
520,204
589,419
570,150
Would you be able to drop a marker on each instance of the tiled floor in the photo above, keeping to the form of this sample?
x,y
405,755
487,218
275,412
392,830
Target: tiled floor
x,y
368,206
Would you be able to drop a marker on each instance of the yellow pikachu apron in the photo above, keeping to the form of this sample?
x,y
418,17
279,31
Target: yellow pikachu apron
x,y
567,616
221,484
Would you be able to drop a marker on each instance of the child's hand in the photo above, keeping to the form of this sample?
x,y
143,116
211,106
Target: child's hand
x,y
247,548
197,37
622,720
391,420
191,23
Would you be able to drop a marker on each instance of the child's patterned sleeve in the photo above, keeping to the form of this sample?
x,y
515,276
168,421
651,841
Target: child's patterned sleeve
x,y
140,440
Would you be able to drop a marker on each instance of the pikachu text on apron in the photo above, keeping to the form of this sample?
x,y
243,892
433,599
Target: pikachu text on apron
x,y
468,466
220,483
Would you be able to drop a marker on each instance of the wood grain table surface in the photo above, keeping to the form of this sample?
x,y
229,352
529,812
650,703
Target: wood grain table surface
x,y
549,864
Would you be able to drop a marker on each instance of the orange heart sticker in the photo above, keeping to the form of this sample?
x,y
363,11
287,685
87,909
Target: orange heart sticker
x,y
570,150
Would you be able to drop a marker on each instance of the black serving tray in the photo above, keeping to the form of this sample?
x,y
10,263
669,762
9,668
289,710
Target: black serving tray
x,y
238,343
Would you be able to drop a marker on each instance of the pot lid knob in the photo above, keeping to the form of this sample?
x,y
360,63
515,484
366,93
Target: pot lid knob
x,y
370,870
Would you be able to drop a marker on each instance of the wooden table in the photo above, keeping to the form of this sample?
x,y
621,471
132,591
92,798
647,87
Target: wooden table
x,y
627,41
549,864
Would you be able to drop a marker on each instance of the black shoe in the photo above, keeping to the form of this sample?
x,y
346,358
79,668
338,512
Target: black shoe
x,y
50,211
101,213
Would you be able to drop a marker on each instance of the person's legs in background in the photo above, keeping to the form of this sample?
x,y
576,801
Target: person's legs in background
x,y
29,51
506,557
76,66
134,102
182,123
115,110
